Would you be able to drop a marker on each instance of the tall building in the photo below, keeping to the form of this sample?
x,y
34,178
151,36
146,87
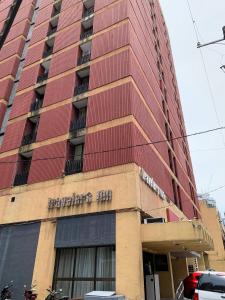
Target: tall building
x,y
96,191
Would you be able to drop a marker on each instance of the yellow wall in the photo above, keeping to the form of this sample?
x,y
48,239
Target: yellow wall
x,y
129,262
45,259
210,219
180,270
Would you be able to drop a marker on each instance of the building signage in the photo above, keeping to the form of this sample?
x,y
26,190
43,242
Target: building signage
x,y
80,199
151,183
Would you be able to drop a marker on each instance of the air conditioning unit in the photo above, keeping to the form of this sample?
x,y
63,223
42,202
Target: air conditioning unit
x,y
154,220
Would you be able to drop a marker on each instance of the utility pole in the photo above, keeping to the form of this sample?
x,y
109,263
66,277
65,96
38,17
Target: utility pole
x,y
199,45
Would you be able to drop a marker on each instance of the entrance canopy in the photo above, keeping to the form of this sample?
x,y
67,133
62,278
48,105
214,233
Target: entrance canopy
x,y
176,237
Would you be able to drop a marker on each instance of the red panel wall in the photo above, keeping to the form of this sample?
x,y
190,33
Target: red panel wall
x,y
110,40
63,62
48,162
9,67
15,47
111,15
19,29
21,104
59,125
111,104
98,148
60,89
34,54
7,167
67,37
13,136
28,77
39,33
5,88
171,216
109,69
2,112
44,14
70,16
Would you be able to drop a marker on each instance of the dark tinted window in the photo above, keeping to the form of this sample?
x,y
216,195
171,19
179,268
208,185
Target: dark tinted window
x,y
212,283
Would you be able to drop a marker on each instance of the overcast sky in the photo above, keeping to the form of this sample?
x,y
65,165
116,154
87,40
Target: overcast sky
x,y
207,151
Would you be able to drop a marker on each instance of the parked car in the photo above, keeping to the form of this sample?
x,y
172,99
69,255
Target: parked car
x,y
190,284
211,286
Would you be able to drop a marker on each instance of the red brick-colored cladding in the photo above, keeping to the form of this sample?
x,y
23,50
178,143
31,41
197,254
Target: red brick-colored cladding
x,y
14,47
5,4
44,3
43,15
2,112
171,217
187,206
13,136
9,67
4,14
24,13
19,29
48,162
99,4
59,124
8,168
110,40
69,3
28,77
68,37
5,88
97,146
21,104
123,101
59,90
70,16
39,33
111,15
63,62
34,54
109,69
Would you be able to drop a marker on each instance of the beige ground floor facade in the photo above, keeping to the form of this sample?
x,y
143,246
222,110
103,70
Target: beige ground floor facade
x,y
89,231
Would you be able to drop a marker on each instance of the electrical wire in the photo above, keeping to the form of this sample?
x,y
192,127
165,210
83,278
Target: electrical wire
x,y
127,147
205,68
212,191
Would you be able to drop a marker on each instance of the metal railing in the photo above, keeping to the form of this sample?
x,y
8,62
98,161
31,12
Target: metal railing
x,y
88,12
86,34
78,124
52,31
180,291
28,139
73,166
47,52
21,178
82,88
84,58
42,77
37,104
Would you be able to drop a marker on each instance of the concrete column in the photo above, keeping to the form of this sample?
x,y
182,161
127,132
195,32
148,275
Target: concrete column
x,y
166,281
45,259
129,262
201,263
180,270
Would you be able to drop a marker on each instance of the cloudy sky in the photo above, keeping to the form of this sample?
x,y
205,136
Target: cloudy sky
x,y
202,100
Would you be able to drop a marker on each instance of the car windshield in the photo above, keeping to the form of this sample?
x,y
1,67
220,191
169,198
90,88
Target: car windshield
x,y
212,283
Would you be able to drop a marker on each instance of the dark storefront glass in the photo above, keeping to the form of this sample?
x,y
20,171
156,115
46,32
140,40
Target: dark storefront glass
x,y
82,270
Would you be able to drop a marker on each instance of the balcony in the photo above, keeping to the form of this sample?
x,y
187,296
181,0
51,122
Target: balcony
x,y
86,34
84,59
36,105
52,31
21,178
42,77
47,53
56,12
78,124
28,139
88,12
82,88
73,166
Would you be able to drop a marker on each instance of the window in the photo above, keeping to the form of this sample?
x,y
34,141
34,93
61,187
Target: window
x,y
212,283
82,270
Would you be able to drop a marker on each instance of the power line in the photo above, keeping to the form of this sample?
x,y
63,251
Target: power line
x,y
126,147
212,191
205,68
